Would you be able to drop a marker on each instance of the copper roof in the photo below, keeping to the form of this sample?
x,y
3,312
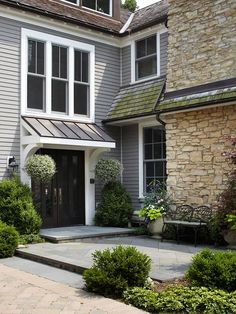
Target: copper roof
x,y
65,129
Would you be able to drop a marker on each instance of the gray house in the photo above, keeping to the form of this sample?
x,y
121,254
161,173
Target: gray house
x,y
71,76
81,79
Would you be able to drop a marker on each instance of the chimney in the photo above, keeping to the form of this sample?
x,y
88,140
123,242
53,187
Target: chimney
x,y
116,9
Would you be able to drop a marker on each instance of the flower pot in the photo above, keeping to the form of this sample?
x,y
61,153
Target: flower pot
x,y
230,237
155,227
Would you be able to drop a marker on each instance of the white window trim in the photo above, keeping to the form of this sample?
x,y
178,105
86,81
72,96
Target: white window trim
x,y
133,58
141,126
71,44
110,11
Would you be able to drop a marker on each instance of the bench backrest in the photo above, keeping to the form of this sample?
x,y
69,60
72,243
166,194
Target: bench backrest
x,y
188,213
202,213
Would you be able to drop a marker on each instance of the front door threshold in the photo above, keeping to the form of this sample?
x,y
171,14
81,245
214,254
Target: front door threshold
x,y
78,233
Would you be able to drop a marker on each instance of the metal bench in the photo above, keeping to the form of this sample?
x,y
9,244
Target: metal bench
x,y
187,216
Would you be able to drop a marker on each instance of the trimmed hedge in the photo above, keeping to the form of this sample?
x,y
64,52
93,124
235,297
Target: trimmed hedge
x,y
115,270
9,238
16,207
181,299
213,269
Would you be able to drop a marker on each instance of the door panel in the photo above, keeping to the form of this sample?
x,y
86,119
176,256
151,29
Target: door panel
x,y
62,201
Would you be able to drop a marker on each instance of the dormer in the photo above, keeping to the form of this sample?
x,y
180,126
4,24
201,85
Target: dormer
x,y
107,7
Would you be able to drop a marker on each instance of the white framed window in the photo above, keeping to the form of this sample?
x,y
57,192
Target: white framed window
x,y
152,155
145,54
57,76
102,6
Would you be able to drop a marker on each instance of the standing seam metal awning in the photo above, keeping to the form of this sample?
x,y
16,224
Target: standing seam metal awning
x,y
67,130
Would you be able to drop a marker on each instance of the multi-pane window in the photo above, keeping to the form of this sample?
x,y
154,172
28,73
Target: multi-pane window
x,y
81,83
154,156
59,78
146,57
98,5
36,75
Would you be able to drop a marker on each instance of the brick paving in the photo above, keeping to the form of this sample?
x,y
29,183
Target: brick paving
x,y
24,293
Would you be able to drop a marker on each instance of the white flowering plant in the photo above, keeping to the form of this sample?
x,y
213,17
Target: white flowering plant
x,y
40,168
108,170
156,202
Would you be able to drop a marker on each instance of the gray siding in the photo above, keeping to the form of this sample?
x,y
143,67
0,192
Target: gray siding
x,y
9,93
163,53
126,65
131,162
107,83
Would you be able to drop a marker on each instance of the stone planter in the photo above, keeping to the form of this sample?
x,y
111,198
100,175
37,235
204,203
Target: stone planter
x,y
230,238
155,227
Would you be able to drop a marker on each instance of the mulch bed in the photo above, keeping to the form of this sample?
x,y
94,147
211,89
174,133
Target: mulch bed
x,y
161,286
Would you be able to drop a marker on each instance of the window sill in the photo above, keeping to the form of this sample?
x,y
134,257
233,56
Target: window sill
x,y
149,78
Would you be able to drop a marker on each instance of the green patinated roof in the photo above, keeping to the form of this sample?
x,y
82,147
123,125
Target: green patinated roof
x,y
215,96
136,100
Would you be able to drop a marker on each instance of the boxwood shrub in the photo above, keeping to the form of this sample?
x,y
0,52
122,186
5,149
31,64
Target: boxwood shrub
x,y
181,299
16,207
213,269
9,238
114,270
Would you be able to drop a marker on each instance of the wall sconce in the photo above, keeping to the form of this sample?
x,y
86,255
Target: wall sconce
x,y
11,163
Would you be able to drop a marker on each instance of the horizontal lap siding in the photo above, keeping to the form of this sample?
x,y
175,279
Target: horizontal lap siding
x,y
9,93
163,52
131,162
126,65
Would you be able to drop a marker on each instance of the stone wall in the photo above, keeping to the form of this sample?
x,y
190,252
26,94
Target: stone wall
x,y
195,165
202,42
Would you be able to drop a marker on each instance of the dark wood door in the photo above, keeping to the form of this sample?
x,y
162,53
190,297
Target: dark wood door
x,y
62,201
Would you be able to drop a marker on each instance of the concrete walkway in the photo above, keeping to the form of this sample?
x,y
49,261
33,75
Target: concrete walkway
x,y
23,293
169,260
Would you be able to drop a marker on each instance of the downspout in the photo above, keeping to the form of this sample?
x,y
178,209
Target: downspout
x,y
159,119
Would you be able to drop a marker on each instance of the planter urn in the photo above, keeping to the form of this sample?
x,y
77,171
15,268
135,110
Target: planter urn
x,y
155,227
230,238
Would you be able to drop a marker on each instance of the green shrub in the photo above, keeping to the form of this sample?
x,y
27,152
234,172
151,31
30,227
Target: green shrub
x,y
30,239
214,270
115,209
180,299
9,238
16,207
115,270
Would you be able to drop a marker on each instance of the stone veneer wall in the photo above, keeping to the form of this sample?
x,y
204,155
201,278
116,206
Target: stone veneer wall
x,y
195,165
202,42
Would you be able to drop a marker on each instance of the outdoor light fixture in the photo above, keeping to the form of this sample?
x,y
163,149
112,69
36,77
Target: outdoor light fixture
x,y
11,163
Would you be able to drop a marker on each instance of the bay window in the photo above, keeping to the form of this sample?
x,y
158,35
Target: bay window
x,y
60,76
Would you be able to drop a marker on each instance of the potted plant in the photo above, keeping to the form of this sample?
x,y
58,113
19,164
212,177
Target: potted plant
x,y
156,203
230,232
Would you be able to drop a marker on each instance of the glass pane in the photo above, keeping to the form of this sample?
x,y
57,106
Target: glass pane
x,y
150,169
141,48
164,150
63,62
59,96
148,151
90,4
31,56
35,92
40,58
158,151
103,6
157,135
148,135
149,184
72,1
85,67
81,99
147,67
151,45
55,61
77,65
159,169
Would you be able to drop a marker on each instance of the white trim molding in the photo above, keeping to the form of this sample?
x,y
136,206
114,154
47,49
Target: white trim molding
x,y
71,45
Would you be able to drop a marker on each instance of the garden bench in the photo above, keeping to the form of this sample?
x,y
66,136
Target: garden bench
x,y
187,216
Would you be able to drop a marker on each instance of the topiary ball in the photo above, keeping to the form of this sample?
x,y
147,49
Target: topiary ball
x,y
108,170
40,168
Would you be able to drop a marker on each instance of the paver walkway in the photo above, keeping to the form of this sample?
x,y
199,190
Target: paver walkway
x,y
23,293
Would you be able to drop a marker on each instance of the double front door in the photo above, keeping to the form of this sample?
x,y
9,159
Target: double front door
x,y
61,202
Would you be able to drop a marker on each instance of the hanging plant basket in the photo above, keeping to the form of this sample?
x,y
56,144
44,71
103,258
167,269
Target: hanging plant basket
x,y
40,168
